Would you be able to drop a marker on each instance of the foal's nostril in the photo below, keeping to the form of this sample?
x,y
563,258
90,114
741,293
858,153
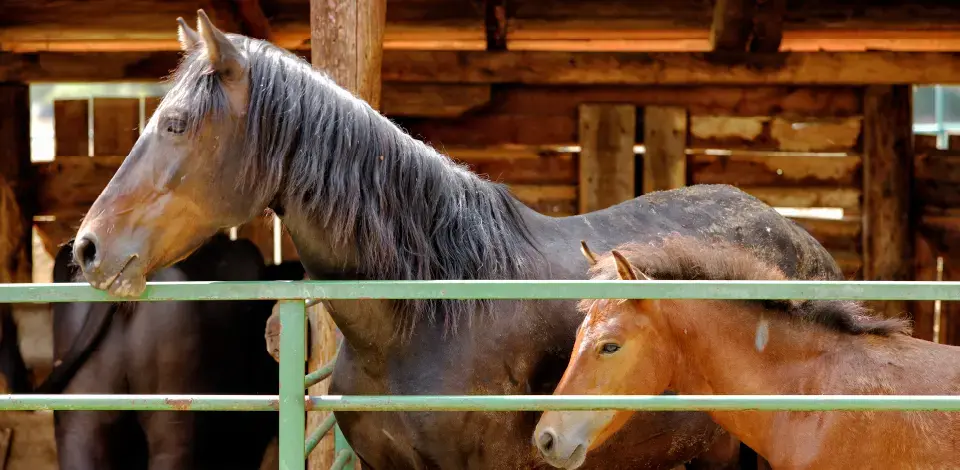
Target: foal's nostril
x,y
546,441
85,252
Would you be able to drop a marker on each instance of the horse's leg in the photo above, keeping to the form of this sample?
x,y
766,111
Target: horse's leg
x,y
723,454
170,436
83,439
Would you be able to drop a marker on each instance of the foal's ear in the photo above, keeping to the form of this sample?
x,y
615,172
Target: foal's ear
x,y
626,270
223,55
187,36
591,258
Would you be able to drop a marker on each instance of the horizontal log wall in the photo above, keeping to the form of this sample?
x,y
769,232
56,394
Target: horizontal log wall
x,y
774,143
937,173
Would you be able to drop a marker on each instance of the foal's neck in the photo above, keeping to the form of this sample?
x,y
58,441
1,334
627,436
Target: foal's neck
x,y
738,348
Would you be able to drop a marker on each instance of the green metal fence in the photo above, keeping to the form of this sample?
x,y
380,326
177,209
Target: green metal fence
x,y
291,402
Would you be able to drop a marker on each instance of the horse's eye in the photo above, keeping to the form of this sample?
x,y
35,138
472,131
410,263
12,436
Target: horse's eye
x,y
609,348
176,126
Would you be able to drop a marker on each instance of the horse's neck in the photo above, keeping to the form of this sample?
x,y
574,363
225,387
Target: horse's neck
x,y
731,348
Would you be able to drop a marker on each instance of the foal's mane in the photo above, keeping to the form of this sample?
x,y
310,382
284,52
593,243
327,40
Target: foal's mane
x,y
407,211
687,258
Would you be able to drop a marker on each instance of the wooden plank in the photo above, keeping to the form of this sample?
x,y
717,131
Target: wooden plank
x,y
551,169
776,170
638,68
845,198
150,105
607,162
116,125
924,269
17,199
851,264
776,134
549,67
835,235
732,25
71,127
68,186
492,130
430,100
924,142
552,200
787,101
939,165
888,165
665,141
495,24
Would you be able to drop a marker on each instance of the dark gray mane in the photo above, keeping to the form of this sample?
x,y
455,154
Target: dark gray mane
x,y
408,212
687,258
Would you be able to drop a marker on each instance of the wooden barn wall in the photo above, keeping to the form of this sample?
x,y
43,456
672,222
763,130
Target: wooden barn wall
x,y
789,146
937,200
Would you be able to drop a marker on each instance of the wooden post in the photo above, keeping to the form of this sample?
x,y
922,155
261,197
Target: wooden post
x,y
607,162
16,187
346,40
665,140
888,236
732,25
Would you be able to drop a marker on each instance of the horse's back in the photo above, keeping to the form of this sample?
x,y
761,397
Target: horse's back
x,y
715,212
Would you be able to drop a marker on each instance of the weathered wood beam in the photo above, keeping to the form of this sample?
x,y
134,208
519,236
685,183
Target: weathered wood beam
x,y
430,100
767,25
346,40
253,21
665,141
555,68
17,200
607,162
888,167
732,25
495,24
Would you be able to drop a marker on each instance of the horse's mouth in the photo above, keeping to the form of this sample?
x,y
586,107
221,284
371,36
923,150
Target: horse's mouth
x,y
571,462
124,283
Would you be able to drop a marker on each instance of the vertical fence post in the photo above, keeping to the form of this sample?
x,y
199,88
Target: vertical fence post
x,y
292,405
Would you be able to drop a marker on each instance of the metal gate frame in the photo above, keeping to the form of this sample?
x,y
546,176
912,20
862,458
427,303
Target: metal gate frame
x,y
291,403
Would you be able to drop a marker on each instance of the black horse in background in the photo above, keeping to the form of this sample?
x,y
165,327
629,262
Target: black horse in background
x,y
175,347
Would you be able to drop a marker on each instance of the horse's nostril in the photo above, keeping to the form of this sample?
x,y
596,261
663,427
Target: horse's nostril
x,y
547,439
85,252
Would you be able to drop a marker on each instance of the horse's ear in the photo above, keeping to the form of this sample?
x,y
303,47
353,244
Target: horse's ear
x,y
187,36
591,258
223,55
626,270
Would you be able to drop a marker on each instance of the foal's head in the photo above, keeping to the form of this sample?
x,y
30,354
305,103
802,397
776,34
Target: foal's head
x,y
622,347
180,184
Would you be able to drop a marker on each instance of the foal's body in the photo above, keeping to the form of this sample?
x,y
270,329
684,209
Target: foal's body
x,y
704,347
719,356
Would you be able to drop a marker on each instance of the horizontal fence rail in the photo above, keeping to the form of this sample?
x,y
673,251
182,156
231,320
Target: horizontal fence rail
x,y
487,402
295,296
513,289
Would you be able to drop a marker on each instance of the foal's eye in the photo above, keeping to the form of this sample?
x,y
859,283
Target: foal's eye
x,y
609,348
176,126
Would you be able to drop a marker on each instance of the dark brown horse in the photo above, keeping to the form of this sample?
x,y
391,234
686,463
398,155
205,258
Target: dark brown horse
x,y
772,347
248,126
181,347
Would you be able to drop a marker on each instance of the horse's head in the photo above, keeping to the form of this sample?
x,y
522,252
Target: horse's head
x,y
619,350
179,185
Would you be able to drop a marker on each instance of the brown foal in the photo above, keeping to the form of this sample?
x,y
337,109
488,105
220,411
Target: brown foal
x,y
755,347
